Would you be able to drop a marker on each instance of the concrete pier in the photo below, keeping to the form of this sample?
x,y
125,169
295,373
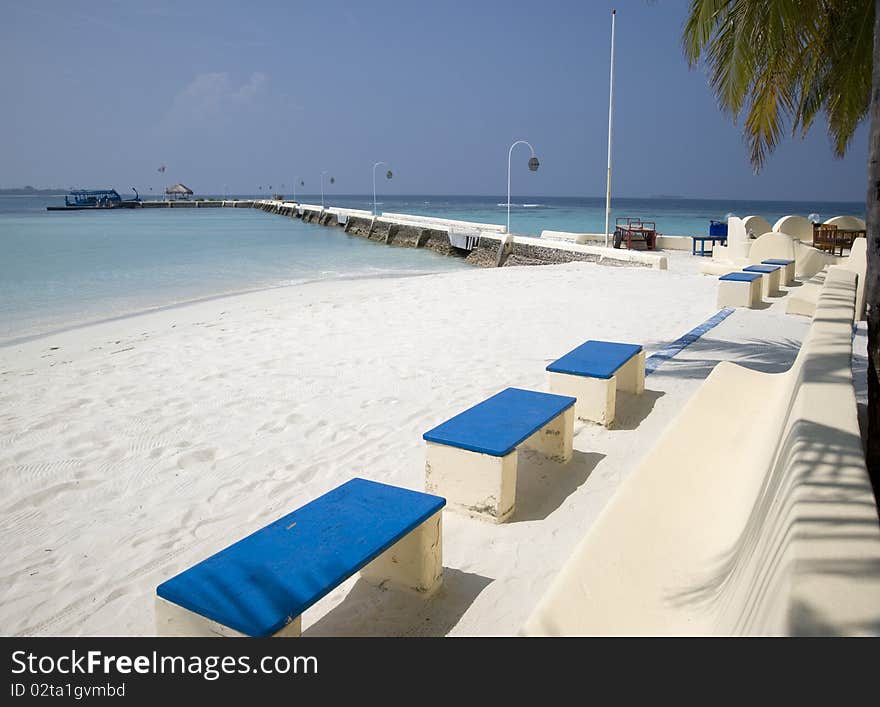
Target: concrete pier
x,y
481,244
198,204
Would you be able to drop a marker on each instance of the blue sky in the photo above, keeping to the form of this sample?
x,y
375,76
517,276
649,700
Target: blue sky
x,y
241,95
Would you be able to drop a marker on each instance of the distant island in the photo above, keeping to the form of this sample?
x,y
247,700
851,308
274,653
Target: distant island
x,y
31,191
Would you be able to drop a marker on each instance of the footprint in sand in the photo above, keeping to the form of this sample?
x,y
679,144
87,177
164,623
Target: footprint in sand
x,y
198,456
273,427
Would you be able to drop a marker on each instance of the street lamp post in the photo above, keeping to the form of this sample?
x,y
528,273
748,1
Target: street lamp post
x,y
332,181
533,166
388,175
610,118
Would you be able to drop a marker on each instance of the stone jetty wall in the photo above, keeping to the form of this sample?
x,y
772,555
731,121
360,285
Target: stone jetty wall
x,y
491,250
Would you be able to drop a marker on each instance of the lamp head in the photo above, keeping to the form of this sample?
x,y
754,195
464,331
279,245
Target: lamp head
x,y
389,174
534,164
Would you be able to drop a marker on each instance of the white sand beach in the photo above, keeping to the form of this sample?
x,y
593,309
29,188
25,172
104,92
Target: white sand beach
x,y
130,450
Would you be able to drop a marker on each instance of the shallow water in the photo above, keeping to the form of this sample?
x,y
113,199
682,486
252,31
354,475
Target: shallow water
x,y
65,269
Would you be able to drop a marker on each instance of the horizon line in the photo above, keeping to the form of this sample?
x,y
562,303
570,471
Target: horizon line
x,y
654,197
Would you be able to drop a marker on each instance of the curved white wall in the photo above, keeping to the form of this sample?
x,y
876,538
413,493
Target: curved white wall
x,y
757,225
795,226
847,223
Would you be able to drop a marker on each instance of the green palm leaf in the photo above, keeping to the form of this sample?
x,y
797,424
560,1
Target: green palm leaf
x,y
782,62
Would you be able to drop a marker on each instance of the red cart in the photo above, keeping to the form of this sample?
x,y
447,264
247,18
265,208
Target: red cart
x,y
633,230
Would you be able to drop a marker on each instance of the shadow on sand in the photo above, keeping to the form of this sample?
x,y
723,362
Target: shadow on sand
x,y
369,610
698,360
631,410
542,485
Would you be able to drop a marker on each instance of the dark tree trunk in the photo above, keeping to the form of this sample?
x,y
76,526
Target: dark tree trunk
x,y
872,293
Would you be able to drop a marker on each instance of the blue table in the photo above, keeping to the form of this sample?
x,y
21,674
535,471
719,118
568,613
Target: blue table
x,y
260,583
703,239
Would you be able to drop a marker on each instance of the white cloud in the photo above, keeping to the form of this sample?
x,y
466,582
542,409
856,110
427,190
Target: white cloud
x,y
211,97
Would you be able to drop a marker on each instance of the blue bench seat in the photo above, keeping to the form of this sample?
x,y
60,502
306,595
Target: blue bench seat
x,y
596,359
740,276
777,261
499,424
259,584
471,458
763,269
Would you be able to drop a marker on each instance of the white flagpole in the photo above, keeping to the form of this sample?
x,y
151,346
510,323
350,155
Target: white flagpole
x,y
610,114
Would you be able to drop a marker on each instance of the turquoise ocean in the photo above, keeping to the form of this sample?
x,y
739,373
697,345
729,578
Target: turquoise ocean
x,y
61,270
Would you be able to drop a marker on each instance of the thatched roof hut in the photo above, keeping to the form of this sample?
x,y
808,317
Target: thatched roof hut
x,y
179,191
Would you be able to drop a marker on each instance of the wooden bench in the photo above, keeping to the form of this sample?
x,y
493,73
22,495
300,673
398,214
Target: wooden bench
x,y
752,514
594,372
739,289
471,458
261,585
769,278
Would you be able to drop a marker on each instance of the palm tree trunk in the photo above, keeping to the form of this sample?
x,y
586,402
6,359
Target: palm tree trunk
x,y
873,279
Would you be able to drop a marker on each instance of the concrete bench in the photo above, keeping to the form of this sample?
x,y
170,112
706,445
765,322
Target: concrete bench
x,y
788,274
261,585
769,278
471,458
752,513
594,372
739,289
803,300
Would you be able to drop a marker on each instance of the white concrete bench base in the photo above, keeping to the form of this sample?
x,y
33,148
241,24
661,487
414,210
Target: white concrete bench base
x,y
479,485
597,397
484,486
414,563
788,275
739,294
770,283
556,439
173,620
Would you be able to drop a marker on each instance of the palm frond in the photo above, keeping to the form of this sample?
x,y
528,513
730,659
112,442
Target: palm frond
x,y
782,62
